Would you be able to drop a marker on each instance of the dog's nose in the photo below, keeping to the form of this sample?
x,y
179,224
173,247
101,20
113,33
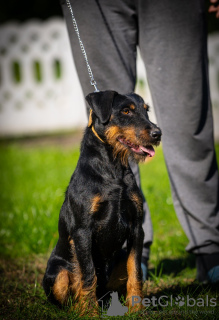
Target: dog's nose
x,y
156,134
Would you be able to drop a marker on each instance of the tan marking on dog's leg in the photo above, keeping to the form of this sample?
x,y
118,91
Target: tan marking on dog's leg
x,y
134,285
61,286
75,276
84,298
88,299
64,280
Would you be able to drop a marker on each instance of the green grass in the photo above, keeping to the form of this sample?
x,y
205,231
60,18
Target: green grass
x,y
33,182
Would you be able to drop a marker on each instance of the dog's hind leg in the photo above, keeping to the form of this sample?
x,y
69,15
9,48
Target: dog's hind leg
x,y
57,279
65,279
61,286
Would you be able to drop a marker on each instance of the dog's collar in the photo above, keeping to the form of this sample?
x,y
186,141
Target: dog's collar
x,y
96,134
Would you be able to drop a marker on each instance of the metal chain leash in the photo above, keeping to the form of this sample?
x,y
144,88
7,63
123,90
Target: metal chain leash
x,y
92,81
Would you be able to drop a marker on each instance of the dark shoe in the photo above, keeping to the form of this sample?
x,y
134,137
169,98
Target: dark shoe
x,y
213,275
208,268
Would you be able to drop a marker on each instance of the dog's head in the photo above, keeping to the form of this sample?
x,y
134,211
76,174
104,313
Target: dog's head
x,y
122,121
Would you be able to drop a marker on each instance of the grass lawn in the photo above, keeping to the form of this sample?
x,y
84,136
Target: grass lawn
x,y
33,181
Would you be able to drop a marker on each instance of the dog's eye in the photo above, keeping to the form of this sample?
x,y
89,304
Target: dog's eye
x,y
126,111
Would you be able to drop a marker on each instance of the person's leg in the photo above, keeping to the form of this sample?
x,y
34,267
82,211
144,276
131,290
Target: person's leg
x,y
114,68
109,70
172,38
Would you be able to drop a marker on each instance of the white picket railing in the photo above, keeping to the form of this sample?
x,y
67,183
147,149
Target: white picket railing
x,y
39,87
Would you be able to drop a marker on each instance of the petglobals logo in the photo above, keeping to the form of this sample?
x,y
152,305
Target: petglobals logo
x,y
164,301
113,307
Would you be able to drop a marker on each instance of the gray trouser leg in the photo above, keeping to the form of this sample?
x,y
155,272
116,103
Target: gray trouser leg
x,y
107,67
110,72
172,41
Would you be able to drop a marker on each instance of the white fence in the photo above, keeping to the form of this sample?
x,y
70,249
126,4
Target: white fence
x,y
39,88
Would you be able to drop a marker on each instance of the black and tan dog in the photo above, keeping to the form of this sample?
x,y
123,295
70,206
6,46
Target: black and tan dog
x,y
103,206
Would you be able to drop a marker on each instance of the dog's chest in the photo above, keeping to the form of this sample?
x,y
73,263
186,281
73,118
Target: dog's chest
x,y
115,219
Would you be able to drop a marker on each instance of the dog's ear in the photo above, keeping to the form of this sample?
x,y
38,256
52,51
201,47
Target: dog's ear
x,y
101,104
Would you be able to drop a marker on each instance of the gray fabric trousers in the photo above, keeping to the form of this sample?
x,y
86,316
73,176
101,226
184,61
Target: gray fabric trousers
x,y
171,36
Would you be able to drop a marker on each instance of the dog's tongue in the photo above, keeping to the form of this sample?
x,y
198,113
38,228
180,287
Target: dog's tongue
x,y
142,150
149,150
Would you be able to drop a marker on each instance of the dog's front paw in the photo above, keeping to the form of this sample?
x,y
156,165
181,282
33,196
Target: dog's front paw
x,y
134,304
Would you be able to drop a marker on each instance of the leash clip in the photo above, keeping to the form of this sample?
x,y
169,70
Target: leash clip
x,y
93,83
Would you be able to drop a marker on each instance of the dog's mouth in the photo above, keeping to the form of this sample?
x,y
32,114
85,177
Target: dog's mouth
x,y
139,149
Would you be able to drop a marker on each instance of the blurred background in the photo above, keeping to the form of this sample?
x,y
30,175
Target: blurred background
x,y
39,89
